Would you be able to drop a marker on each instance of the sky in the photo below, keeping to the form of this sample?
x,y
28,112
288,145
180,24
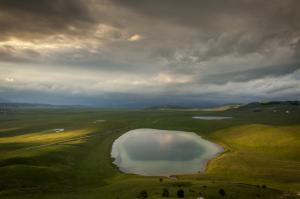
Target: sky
x,y
134,53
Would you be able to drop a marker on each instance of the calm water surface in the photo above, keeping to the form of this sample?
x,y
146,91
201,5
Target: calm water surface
x,y
211,117
155,152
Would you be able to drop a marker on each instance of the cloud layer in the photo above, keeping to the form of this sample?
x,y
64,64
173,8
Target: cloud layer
x,y
172,51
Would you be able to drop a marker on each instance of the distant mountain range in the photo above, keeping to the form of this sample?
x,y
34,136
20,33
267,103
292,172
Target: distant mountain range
x,y
215,108
10,105
272,103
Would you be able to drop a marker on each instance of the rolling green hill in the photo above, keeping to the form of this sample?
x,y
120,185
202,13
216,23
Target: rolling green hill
x,y
261,159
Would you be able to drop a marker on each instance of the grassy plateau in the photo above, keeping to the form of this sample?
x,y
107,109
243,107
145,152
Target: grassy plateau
x,y
261,157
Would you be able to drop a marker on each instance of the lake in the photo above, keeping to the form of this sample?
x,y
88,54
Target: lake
x,y
153,152
211,117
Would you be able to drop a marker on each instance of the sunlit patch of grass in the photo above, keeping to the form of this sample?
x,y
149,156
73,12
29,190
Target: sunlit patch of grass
x,y
41,143
259,152
43,137
30,150
256,136
74,142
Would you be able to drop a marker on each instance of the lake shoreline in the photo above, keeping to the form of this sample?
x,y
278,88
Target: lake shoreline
x,y
157,165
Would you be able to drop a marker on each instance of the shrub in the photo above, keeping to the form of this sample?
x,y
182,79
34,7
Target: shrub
x,y
222,192
180,193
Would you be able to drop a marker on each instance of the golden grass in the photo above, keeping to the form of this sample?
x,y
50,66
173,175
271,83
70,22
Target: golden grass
x,y
259,153
45,142
263,136
42,137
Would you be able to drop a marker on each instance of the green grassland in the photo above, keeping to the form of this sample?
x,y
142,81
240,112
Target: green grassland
x,y
261,142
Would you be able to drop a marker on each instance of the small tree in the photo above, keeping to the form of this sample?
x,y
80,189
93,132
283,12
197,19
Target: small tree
x,y
165,193
180,193
222,192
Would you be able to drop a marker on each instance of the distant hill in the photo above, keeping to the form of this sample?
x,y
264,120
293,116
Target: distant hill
x,y
168,107
275,106
8,106
253,107
222,108
182,108
25,105
271,104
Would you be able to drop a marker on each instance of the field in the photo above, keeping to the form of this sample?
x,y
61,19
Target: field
x,y
261,158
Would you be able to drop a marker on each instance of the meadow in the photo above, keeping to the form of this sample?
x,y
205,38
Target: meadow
x,y
261,158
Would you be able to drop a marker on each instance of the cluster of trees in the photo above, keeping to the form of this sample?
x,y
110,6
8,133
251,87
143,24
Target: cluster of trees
x,y
180,193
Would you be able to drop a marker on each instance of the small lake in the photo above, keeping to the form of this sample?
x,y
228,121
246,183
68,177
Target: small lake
x,y
153,152
211,117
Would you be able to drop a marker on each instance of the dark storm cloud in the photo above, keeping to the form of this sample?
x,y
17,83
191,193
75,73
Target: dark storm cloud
x,y
226,28
212,14
31,18
152,50
233,26
252,74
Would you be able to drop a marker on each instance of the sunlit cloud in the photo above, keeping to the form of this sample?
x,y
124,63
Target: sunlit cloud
x,y
51,43
135,37
9,79
167,78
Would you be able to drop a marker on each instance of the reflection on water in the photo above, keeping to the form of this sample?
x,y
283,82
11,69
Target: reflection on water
x,y
211,117
161,152
162,146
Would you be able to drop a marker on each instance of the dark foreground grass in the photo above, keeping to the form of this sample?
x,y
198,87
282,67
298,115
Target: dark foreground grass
x,y
261,160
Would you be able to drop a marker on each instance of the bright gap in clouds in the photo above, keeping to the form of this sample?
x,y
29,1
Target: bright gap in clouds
x,y
94,83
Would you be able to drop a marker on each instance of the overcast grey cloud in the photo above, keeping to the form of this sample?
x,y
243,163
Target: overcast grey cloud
x,y
110,52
